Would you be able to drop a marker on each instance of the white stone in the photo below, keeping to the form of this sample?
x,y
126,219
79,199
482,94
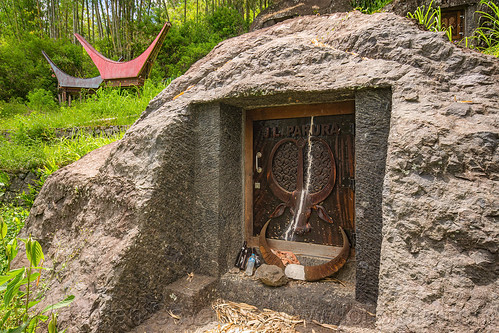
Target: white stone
x,y
295,272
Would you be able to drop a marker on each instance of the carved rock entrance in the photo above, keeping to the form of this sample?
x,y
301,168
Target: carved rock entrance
x,y
168,199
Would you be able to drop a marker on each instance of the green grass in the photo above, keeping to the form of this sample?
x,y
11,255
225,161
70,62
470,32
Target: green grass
x,y
488,31
56,153
33,144
494,50
109,106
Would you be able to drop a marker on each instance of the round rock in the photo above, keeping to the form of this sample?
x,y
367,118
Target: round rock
x,y
271,275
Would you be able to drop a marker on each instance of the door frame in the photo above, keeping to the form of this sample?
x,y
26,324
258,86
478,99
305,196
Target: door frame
x,y
283,112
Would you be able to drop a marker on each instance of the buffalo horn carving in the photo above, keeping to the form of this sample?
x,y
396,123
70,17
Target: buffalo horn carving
x,y
300,196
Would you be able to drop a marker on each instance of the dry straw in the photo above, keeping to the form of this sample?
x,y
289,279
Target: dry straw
x,y
240,317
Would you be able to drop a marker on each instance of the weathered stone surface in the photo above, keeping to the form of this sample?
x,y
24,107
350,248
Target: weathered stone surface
x,y
135,216
324,301
282,10
18,184
271,275
191,293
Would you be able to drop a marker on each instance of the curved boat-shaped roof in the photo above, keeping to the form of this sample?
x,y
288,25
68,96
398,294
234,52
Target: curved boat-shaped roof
x,y
68,81
138,67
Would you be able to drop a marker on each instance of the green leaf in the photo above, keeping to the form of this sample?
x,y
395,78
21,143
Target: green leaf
x,y
12,288
11,249
36,253
32,277
42,317
52,327
19,329
33,324
5,278
3,230
5,317
10,275
61,304
33,303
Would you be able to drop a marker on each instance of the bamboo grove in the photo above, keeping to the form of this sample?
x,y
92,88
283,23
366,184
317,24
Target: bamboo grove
x,y
120,29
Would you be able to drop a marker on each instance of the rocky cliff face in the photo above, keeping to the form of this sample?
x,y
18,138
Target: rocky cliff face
x,y
123,222
282,10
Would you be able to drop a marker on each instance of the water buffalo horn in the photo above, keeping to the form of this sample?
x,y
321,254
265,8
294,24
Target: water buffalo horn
x,y
267,254
314,273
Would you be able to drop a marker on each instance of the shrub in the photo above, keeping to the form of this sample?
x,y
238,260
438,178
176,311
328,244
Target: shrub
x,y
226,22
41,100
369,6
23,67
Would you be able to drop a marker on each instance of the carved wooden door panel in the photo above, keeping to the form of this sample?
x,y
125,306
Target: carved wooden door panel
x,y
303,173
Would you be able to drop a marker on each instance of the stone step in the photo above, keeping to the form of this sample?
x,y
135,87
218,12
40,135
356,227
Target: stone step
x,y
324,301
188,295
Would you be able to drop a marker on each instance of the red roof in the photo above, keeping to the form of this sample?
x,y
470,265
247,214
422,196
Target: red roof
x,y
138,67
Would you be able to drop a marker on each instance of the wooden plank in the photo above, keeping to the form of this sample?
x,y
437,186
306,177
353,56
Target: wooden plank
x,y
296,111
248,179
253,241
298,248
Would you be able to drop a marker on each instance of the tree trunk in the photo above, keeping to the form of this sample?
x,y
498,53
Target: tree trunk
x,y
75,20
82,16
166,10
185,11
100,29
88,21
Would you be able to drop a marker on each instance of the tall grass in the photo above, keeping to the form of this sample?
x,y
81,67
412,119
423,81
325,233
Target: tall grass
x,y
108,106
493,50
33,145
488,32
53,154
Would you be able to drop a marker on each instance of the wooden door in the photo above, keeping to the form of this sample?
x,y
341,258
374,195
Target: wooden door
x,y
311,145
454,18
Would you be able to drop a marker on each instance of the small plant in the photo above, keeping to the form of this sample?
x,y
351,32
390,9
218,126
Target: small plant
x,y
4,182
488,32
431,19
18,288
13,217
